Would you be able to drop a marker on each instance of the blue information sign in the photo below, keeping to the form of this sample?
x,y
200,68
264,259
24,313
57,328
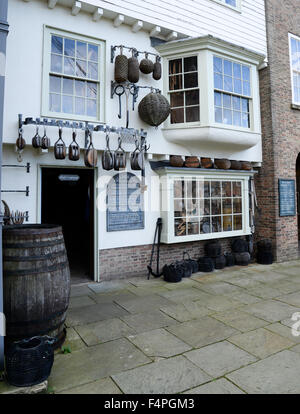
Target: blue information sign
x,y
287,197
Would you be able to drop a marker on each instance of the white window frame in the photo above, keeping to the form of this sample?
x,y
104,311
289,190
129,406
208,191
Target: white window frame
x,y
167,204
291,36
100,117
237,8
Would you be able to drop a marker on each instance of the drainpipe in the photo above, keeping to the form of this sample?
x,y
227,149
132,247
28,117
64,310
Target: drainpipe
x,y
3,36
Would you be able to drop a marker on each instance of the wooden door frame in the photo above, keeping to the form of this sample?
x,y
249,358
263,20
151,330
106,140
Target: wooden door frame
x,y
95,218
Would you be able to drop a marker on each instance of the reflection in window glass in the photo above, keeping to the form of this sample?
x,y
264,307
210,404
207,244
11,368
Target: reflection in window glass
x,y
207,206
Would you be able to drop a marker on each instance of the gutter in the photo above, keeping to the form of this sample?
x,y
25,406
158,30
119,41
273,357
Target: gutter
x,y
3,38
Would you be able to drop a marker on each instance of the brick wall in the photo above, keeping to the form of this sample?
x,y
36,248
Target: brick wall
x,y
124,262
280,127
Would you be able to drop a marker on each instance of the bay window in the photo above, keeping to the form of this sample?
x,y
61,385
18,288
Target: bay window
x,y
295,68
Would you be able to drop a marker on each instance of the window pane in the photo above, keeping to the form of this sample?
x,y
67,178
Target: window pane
x,y
218,81
81,50
227,67
215,188
192,114
227,119
227,101
237,118
237,223
246,88
193,226
218,99
237,70
79,88
237,205
245,105
179,209
81,68
54,103
176,99
218,115
192,208
228,84
237,86
93,52
68,86
191,80
56,63
206,211
93,71
91,89
79,106
236,103
218,65
55,84
67,104
205,225
227,205
215,207
237,189
190,64
227,223
216,224
175,82
69,47
180,227
226,189
231,2
246,73
179,189
56,44
175,66
92,107
245,120
177,116
69,68
192,97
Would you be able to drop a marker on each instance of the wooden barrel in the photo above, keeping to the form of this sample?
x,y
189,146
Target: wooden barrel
x,y
36,279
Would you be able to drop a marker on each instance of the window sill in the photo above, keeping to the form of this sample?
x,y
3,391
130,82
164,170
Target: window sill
x,y
295,106
168,239
212,136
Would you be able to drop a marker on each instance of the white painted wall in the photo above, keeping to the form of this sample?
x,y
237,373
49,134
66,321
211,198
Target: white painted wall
x,y
24,84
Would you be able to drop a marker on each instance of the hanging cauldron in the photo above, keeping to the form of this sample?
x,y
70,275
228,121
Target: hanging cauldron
x,y
154,109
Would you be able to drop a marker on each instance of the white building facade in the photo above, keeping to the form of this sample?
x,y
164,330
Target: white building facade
x,y
60,67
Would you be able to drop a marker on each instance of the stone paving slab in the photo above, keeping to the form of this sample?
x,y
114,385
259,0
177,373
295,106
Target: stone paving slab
x,y
295,348
240,320
103,331
108,286
270,310
220,358
244,281
291,298
182,295
146,291
219,303
80,290
245,298
113,296
286,286
103,386
94,313
142,304
277,374
264,292
94,363
267,276
73,341
261,342
284,331
186,311
201,332
168,376
220,288
148,321
220,386
159,343
289,270
81,301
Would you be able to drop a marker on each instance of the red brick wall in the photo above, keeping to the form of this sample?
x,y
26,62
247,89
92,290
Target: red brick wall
x,y
280,127
126,262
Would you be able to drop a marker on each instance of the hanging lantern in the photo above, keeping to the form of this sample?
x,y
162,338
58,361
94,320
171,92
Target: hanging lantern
x,y
154,109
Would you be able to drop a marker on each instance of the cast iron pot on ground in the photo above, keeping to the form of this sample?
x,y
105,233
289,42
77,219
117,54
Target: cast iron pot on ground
x,y
264,252
205,264
213,248
220,262
242,259
239,246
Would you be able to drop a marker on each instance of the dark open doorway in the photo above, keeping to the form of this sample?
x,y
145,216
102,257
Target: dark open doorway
x,y
298,194
68,200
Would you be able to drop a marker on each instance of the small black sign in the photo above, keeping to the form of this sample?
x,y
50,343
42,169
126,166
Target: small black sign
x,y
287,198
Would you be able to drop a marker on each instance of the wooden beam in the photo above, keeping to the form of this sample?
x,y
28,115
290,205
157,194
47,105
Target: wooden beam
x,y
172,36
138,25
119,20
155,31
52,4
76,8
98,13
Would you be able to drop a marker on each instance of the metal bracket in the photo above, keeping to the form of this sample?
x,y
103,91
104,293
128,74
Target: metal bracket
x,y
27,166
135,52
17,191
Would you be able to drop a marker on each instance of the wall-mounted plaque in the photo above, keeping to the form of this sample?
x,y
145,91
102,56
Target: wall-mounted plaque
x,y
125,203
287,197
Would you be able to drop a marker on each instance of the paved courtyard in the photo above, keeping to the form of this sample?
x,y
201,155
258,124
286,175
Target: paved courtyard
x,y
224,332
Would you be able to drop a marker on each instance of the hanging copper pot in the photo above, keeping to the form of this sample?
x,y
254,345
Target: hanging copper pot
x,y
107,157
60,147
74,149
91,155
